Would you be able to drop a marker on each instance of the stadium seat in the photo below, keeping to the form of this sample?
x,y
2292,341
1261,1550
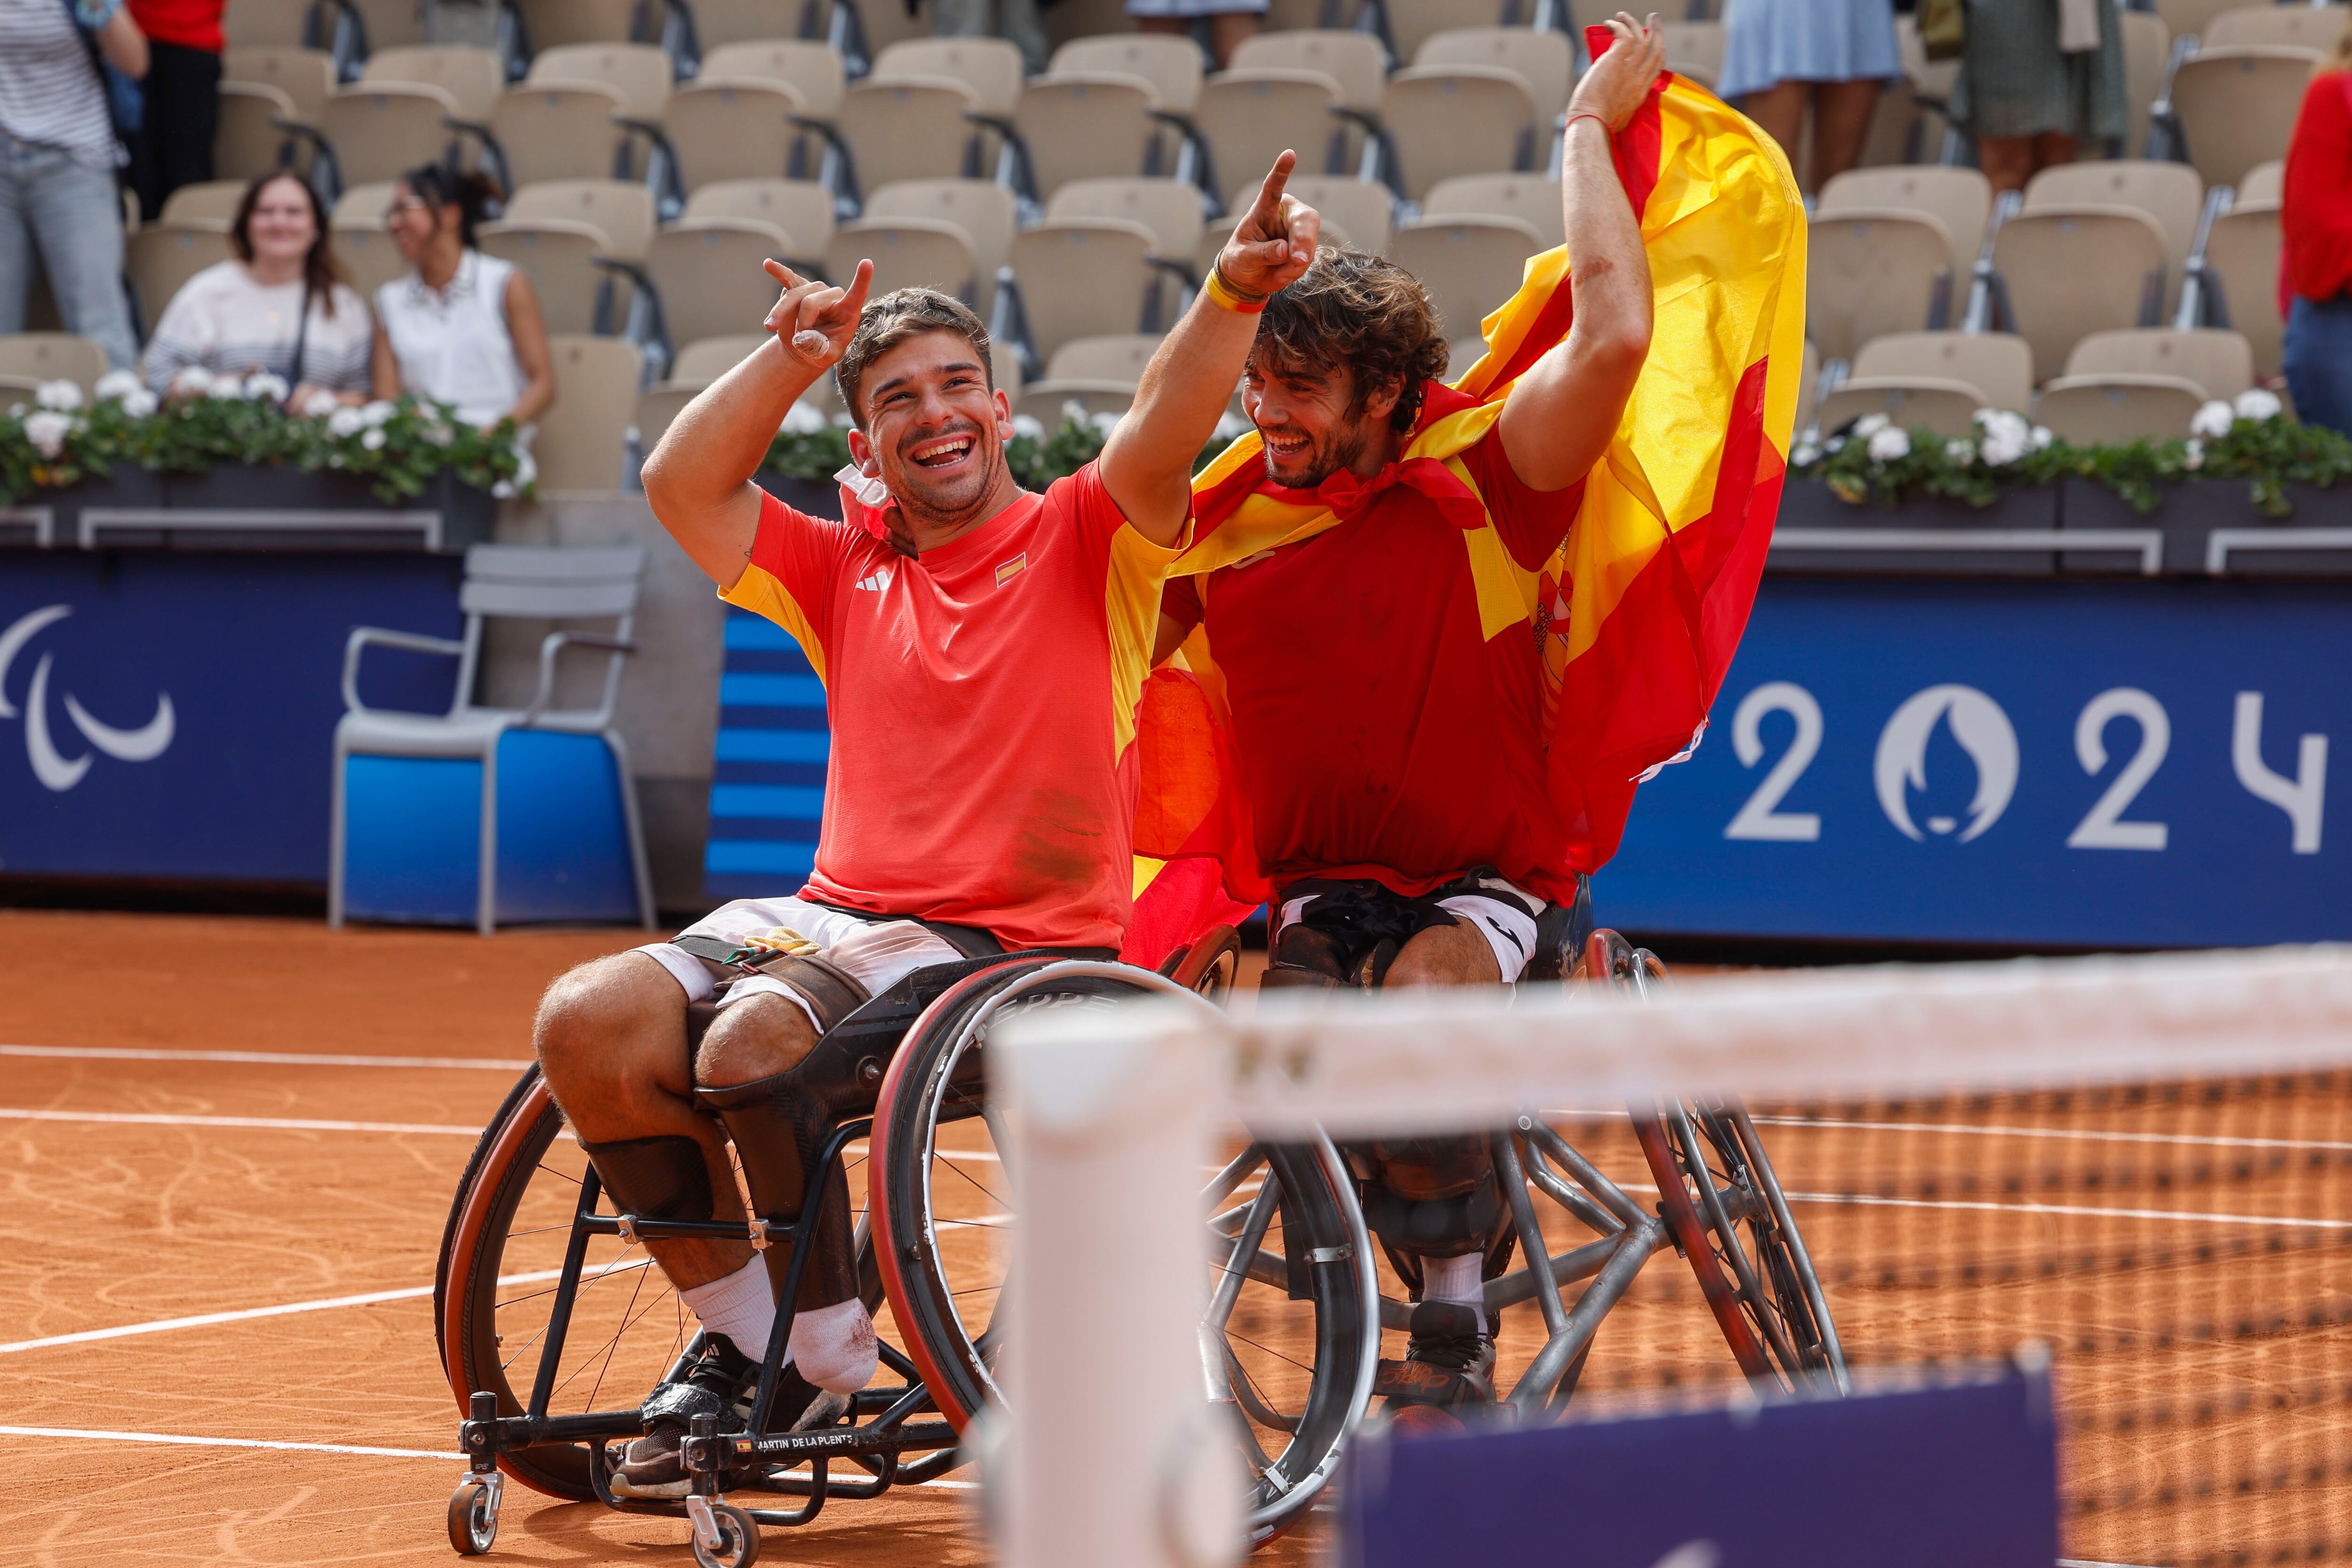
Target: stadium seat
x,y
1870,271
1945,406
621,210
802,209
736,128
1355,61
473,77
908,253
363,206
1172,66
562,131
52,356
1809,380
2171,193
380,130
2300,27
2241,266
2148,51
908,129
1960,199
162,256
2263,181
1247,119
305,76
1406,24
718,23
1468,265
1286,14
1084,277
1078,127
1544,61
1169,209
2219,361
2068,272
1531,198
391,24
1695,50
811,68
708,276
640,73
656,406
1102,373
2236,107
882,22
990,68
267,24
1360,213
1908,125
1998,365
581,437
2097,409
210,201
554,24
559,256
368,255
249,142
1443,120
705,360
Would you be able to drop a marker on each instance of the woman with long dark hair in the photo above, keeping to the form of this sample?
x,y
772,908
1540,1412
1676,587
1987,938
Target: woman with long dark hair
x,y
280,307
461,328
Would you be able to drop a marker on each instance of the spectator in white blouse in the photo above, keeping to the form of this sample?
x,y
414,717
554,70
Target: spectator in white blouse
x,y
463,327
281,306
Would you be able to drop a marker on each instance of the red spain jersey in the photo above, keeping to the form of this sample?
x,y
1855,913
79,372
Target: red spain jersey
x,y
983,705
1382,728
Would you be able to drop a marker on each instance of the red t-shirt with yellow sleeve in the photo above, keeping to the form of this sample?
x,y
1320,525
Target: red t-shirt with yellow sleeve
x,y
983,705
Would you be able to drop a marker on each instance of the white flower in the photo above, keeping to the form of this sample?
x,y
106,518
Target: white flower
x,y
226,388
1887,445
195,379
2193,453
2001,424
2256,404
139,403
526,471
345,423
1028,425
1871,424
1835,444
266,386
2004,448
372,440
47,430
2040,436
803,419
1073,409
440,435
376,413
1959,451
2214,419
1805,455
116,386
321,404
62,395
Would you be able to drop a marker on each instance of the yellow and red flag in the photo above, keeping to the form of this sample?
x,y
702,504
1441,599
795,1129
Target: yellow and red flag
x,y
1637,615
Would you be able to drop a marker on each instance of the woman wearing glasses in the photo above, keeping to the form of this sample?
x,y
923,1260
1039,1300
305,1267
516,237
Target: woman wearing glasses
x,y
461,328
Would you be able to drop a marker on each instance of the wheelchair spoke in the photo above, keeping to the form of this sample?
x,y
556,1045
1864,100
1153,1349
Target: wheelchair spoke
x,y
1252,1398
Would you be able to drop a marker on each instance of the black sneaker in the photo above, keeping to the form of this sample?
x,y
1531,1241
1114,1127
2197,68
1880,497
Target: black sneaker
x,y
720,1382
1448,1363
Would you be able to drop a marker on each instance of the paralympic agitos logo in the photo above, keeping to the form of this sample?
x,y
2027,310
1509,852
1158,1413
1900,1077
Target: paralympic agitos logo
x,y
57,770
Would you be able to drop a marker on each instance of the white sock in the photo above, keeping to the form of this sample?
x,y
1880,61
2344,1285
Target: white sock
x,y
1456,1279
834,1346
738,1306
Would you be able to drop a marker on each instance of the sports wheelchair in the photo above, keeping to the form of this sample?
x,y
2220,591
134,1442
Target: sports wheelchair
x,y
553,1321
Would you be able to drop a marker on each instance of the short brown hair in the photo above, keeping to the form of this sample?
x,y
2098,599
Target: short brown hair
x,y
893,319
1363,314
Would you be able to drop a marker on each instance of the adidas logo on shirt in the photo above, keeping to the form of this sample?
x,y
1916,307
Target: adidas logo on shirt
x,y
875,582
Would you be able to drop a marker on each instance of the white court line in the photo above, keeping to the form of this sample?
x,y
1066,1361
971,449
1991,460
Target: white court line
x,y
273,1059
2089,1137
272,1123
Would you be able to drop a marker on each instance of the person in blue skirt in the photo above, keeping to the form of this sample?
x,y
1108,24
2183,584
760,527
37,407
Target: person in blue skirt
x,y
1781,57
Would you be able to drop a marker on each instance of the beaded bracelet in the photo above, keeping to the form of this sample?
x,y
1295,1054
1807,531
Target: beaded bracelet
x,y
1224,293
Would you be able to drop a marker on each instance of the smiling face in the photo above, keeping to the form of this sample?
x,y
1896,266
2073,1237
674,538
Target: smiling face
x,y
1310,420
414,222
280,227
933,429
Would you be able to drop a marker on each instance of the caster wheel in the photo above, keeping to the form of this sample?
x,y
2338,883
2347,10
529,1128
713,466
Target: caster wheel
x,y
738,1538
473,1517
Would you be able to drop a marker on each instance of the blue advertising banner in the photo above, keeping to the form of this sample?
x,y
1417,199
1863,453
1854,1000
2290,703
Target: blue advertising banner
x,y
767,779
2088,764
169,715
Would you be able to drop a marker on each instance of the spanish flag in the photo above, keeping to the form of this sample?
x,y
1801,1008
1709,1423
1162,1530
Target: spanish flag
x,y
1642,607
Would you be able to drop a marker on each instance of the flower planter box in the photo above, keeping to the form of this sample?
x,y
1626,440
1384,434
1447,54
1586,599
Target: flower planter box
x,y
1928,536
53,518
818,498
257,508
2189,513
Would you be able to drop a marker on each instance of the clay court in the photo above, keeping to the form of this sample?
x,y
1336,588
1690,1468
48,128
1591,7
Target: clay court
x,y
2183,1253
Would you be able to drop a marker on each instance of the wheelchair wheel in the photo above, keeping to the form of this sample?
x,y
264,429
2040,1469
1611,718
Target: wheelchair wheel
x,y
495,1289
1293,1291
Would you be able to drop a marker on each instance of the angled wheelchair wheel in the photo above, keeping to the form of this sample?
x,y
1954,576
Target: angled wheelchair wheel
x,y
495,1294
1292,1284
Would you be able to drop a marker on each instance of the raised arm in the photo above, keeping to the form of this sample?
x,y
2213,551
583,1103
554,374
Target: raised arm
x,y
1561,415
1146,465
698,479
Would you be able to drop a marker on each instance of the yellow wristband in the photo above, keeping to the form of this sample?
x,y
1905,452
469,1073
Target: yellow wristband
x,y
1225,294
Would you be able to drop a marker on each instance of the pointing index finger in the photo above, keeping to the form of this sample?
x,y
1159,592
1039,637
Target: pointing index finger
x,y
1268,208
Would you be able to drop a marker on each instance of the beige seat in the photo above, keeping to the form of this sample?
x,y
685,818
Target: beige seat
x,y
1412,23
1087,127
2280,27
2147,50
1355,61
802,209
267,24
2094,409
908,129
248,142
1542,60
908,253
305,76
2072,271
2000,365
1906,126
640,73
363,206
658,405
2237,107
732,129
473,77
1172,65
1695,50
1083,278
810,69
2221,362
163,255
559,256
584,435
621,210
52,356
886,22
1531,198
990,68
1291,14
1960,199
1945,406
369,256
1809,379
2263,183
1170,209
391,23
2171,193
562,131
380,130
1870,271
718,23
2242,255
709,276
1101,373
1248,118
1361,210
1445,120
705,360
554,23
2186,16
1468,265
212,201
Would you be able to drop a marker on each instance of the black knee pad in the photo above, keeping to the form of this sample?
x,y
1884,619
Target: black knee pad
x,y
778,1128
655,1178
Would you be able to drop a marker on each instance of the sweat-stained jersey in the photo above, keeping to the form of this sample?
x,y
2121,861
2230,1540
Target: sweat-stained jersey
x,y
983,705
1378,730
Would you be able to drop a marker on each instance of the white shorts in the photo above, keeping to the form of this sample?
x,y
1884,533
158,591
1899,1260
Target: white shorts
x,y
877,950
